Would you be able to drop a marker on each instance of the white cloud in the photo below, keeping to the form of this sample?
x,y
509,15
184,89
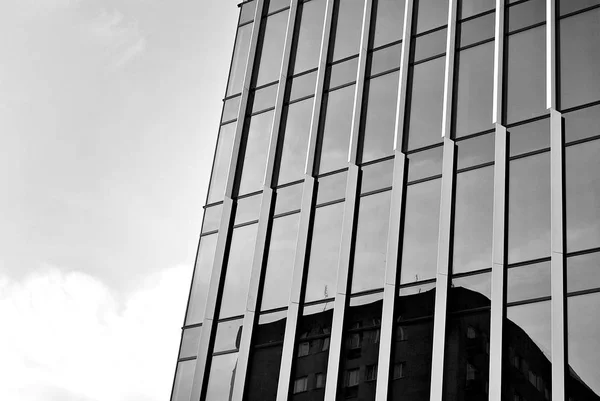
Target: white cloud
x,y
66,336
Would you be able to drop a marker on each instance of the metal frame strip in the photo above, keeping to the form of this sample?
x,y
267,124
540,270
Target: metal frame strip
x,y
498,99
551,22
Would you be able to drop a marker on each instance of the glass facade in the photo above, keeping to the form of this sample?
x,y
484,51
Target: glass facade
x,y
402,206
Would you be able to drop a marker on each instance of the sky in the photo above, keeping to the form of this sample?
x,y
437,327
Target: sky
x,y
109,112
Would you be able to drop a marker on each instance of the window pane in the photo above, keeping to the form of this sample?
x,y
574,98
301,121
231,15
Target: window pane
x,y
248,209
294,139
368,272
568,6
331,187
256,146
429,45
582,165
528,282
430,14
337,123
228,336
384,60
347,28
473,217
308,47
388,21
529,137
264,98
184,378
425,106
470,292
526,75
529,208
218,178
341,73
580,59
324,252
280,262
583,272
212,218
237,276
275,5
247,12
190,341
476,30
474,90
270,55
421,225
288,198
231,108
377,176
582,124
526,14
202,272
221,378
302,86
468,8
424,164
240,58
379,117
475,151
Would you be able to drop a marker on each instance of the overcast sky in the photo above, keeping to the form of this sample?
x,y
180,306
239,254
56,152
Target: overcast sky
x,y
108,119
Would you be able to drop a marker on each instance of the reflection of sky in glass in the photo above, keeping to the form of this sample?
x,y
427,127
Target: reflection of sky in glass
x,y
584,338
222,377
534,319
182,389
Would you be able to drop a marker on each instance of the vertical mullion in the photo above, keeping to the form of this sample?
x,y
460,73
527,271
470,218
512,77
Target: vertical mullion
x,y
498,98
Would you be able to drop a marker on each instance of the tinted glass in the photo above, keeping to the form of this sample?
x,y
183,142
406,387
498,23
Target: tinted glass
x,y
475,151
230,109
432,44
377,176
256,146
240,58
529,137
526,75
582,165
306,56
275,5
528,282
580,59
468,8
384,59
294,141
228,336
526,14
271,51
424,164
202,272
568,6
280,262
337,123
237,275
346,32
473,217
264,98
368,271
247,12
529,208
379,117
425,106
248,209
474,90
302,86
212,218
430,14
189,342
421,226
218,177
184,378
288,198
476,30
324,252
331,187
583,272
342,73
221,377
470,292
388,21
582,123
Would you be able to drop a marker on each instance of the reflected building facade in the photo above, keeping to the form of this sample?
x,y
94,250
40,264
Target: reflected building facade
x,y
404,204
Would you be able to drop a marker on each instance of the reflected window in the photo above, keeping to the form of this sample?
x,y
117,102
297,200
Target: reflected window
x,y
469,8
582,123
201,280
228,336
288,198
331,187
264,98
341,73
430,14
430,45
529,137
240,58
376,176
218,178
300,385
308,39
256,147
388,22
582,272
247,209
425,164
383,60
302,86
189,342
569,6
475,151
270,55
231,108
399,369
525,14
247,12
476,30
294,141
212,218
346,31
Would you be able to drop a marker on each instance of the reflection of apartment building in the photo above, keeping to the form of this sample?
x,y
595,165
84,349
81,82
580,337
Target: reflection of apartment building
x,y
403,205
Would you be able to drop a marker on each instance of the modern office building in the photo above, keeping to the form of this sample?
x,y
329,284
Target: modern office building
x,y
404,205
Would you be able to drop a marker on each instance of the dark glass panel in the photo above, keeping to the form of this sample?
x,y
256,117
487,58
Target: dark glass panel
x,y
228,336
212,218
189,342
201,280
476,30
424,164
218,179
421,226
268,67
248,209
302,86
256,147
569,6
368,270
526,75
582,123
473,219
528,282
237,275
470,292
264,98
529,208
221,378
312,350
184,379
247,12
474,90
308,47
280,262
469,8
583,382
324,252
527,357
337,124
288,198
296,123
429,45
384,59
582,167
583,272
341,73
529,137
231,108
526,14
425,105
275,5
377,176
580,59
240,58
270,328
430,14
388,22
379,121
360,348
475,151
331,187
345,34
416,289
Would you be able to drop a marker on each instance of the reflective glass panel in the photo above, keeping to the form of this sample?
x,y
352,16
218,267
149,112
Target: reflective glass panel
x,y
345,33
421,226
468,8
529,208
184,378
221,378
256,146
429,45
275,5
583,272
388,22
475,151
368,271
526,14
341,73
294,141
324,252
528,282
248,209
228,336
218,177
430,14
201,280
212,218
264,98
476,30
231,108
247,12
288,198
270,55
582,123
379,117
529,137
568,6
384,59
237,275
302,86
377,176
470,292
424,164
331,187
189,342
240,57
308,45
